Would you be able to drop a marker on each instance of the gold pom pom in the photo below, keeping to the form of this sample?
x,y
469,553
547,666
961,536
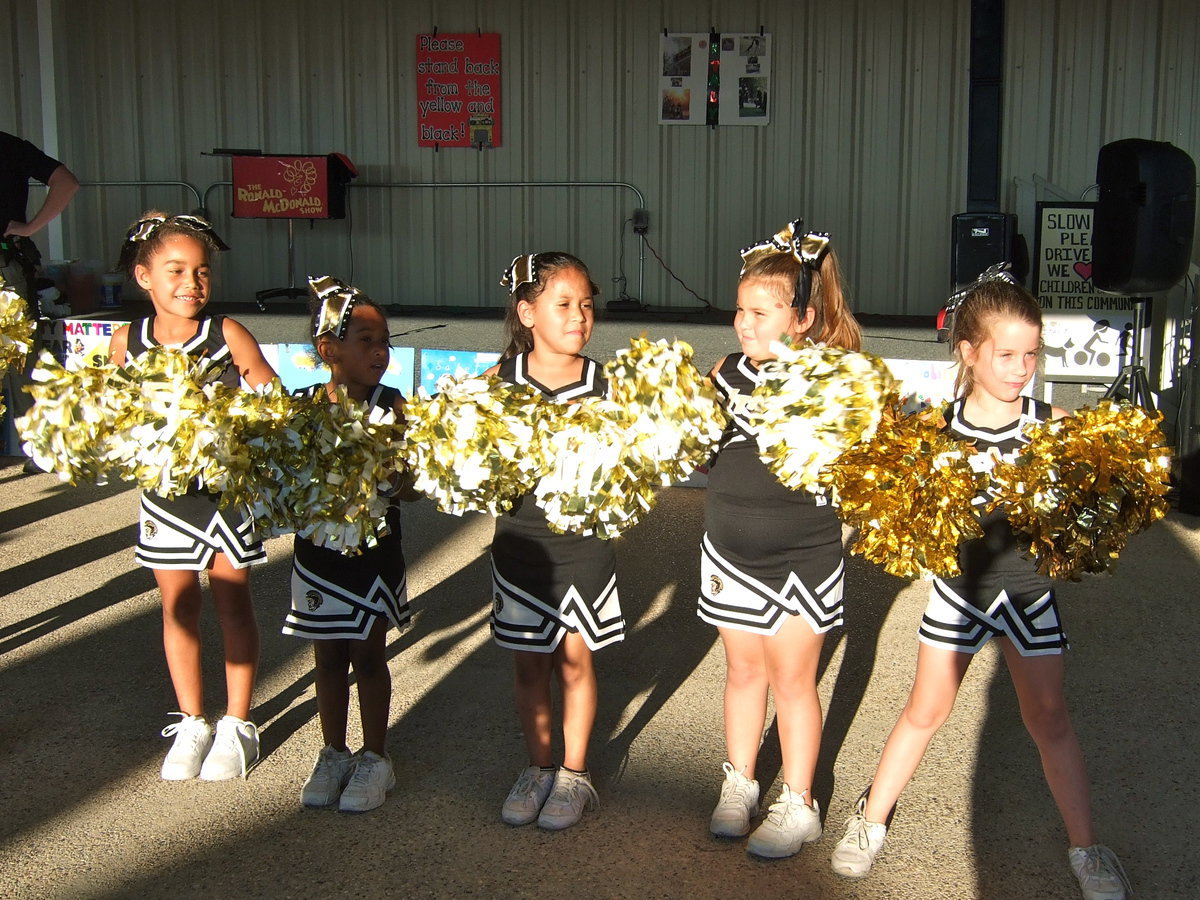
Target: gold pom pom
x,y
1085,484
909,490
811,404
67,429
589,485
168,418
16,329
468,446
673,418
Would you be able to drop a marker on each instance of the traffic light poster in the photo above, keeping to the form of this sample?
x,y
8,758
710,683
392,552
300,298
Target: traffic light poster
x,y
714,79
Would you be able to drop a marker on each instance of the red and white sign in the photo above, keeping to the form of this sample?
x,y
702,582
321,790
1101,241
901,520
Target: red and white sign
x,y
283,187
458,90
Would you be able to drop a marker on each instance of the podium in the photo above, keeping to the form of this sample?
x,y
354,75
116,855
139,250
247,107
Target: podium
x,y
273,186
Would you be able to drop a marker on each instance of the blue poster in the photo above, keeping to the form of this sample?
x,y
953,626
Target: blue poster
x,y
436,363
298,367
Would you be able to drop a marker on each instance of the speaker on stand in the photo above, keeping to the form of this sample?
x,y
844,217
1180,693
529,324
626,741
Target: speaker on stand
x,y
1142,244
1141,237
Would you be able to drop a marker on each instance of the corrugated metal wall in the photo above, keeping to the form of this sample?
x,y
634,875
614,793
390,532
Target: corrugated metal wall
x,y
867,135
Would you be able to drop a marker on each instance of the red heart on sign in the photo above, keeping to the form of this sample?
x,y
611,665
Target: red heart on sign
x,y
1084,270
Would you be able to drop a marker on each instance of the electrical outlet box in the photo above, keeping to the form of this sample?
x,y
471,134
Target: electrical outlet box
x,y
641,221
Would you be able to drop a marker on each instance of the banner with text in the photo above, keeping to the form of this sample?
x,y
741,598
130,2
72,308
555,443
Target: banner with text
x,y
458,90
1086,332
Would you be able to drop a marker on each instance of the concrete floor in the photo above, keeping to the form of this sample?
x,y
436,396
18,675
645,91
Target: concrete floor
x,y
85,691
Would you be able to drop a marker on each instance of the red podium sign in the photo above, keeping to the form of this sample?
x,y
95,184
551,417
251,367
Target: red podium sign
x,y
458,90
290,187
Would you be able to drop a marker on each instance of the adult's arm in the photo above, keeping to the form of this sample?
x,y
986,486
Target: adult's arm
x,y
62,186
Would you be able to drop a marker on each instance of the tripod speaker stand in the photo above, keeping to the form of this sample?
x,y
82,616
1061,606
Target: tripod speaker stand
x,y
1131,382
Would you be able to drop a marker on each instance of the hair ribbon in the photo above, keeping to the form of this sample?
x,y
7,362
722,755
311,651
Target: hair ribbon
x,y
999,272
144,229
520,271
806,247
337,301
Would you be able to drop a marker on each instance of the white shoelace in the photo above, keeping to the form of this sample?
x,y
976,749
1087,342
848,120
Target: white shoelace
x,y
786,808
362,772
188,726
734,790
856,832
567,792
1101,864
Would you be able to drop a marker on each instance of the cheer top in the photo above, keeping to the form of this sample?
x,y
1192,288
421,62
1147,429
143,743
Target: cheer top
x,y
768,551
186,532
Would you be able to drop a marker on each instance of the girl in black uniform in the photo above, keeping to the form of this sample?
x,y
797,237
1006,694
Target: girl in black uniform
x,y
997,339
345,604
168,257
771,572
554,597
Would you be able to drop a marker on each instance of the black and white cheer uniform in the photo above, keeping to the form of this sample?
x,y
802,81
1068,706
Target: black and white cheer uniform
x,y
186,532
546,584
339,596
768,552
999,591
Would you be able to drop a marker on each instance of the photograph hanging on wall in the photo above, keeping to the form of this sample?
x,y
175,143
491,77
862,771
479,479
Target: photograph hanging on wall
x,y
745,79
1086,333
683,78
696,67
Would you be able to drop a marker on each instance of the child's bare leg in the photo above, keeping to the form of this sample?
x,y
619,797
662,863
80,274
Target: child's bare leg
x,y
745,697
940,671
239,630
791,661
332,660
181,602
1039,684
374,679
534,705
577,679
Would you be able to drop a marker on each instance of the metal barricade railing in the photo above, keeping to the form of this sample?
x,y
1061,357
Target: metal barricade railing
x,y
394,185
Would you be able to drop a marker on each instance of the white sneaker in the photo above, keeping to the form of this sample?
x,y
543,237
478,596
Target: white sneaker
x,y
329,776
855,853
193,737
737,806
1101,875
234,750
373,777
572,794
790,824
524,802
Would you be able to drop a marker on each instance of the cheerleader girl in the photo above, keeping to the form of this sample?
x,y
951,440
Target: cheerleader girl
x,y
168,257
771,558
997,337
345,604
554,595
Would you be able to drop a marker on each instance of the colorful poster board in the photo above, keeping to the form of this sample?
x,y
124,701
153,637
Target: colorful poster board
x,y
926,382
298,367
714,79
458,90
1086,332
436,363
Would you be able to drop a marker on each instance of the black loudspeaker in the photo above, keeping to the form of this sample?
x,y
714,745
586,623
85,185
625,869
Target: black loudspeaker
x,y
1145,217
981,240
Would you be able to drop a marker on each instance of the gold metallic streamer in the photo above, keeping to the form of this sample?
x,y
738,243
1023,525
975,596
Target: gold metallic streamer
x,y
811,404
468,447
908,490
1084,485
